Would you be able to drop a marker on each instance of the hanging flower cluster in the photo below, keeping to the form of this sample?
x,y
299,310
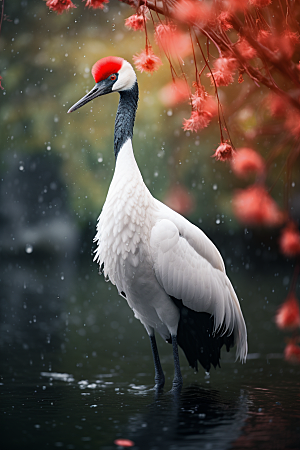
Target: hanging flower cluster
x,y
247,161
289,241
147,61
95,4
288,315
204,108
60,6
224,152
254,206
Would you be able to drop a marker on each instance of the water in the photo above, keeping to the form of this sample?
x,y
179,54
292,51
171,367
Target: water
x,y
77,371
254,406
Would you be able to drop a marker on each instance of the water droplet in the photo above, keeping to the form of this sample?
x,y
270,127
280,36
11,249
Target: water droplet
x,y
100,159
28,248
21,166
48,147
169,113
218,221
215,187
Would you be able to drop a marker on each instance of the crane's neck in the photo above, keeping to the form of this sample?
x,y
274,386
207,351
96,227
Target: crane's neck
x,y
125,117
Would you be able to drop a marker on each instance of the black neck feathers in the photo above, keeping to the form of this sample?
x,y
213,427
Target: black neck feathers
x,y
125,117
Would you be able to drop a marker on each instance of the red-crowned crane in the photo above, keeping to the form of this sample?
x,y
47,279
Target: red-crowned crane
x,y
171,274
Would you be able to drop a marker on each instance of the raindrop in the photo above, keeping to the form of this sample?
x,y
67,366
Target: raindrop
x,y
218,221
169,113
48,147
156,174
21,166
28,248
62,277
215,187
100,159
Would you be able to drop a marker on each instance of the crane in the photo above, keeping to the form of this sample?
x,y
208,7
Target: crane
x,y
171,274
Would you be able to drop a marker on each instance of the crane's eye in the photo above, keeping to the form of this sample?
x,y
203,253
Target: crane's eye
x,y
113,77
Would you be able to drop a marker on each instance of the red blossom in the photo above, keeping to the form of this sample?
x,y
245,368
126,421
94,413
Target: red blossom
x,y
289,241
288,314
292,352
175,92
277,105
95,4
1,87
264,37
224,152
254,206
193,12
245,49
224,20
247,160
197,121
260,3
124,442
223,71
179,199
60,6
198,99
147,61
171,41
136,22
292,122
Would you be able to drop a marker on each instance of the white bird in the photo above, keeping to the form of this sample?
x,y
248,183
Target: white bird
x,y
171,274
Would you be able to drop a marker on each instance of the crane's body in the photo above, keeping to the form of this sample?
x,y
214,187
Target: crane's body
x,y
171,274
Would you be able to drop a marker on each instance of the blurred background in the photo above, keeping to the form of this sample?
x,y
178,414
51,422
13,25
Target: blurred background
x,y
56,313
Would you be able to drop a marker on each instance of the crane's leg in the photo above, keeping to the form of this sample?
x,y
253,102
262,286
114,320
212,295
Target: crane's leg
x,y
177,381
159,375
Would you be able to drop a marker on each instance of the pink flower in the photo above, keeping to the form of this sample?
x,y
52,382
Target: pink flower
x,y
223,71
136,22
147,61
193,11
247,160
1,87
224,20
245,49
198,99
224,152
289,241
288,315
292,352
171,41
277,105
260,3
174,93
292,122
95,3
60,6
264,37
197,121
254,206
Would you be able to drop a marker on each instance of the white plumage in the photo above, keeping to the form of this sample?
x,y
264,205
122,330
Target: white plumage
x,y
150,252
171,274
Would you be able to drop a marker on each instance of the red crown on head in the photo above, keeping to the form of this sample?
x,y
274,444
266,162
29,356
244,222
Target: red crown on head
x,y
105,67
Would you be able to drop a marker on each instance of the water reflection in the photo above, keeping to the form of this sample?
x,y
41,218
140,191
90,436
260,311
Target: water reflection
x,y
195,418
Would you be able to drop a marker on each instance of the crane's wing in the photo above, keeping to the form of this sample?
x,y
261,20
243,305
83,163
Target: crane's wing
x,y
187,275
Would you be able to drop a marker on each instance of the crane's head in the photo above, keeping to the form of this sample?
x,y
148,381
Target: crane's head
x,y
111,74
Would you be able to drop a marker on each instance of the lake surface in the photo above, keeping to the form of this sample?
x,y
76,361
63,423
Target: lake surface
x,y
77,371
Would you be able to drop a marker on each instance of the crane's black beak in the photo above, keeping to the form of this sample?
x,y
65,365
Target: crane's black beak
x,y
101,88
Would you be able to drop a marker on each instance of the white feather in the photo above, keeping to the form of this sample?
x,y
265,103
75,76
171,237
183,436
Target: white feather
x,y
150,252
